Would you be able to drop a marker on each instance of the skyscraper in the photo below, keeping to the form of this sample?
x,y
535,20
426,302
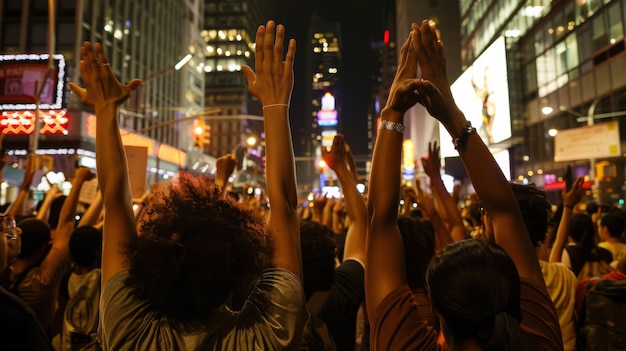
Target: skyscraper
x,y
229,34
143,39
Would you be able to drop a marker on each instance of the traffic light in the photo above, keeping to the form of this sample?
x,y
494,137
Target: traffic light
x,y
207,134
198,132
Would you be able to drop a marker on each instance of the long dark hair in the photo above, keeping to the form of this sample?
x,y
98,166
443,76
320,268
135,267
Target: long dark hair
x,y
475,287
583,232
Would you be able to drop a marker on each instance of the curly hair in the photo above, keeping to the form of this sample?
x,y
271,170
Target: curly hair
x,y
319,250
195,248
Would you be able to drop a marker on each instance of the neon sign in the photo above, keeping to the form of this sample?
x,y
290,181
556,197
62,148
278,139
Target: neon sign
x,y
22,122
22,75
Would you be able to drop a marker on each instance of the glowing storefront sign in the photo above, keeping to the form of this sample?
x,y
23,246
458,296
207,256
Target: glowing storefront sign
x,y
20,77
22,122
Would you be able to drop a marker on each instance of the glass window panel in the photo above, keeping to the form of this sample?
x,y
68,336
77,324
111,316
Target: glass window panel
x,y
529,51
571,52
531,78
616,28
560,26
38,33
599,35
593,6
11,35
561,58
539,42
584,47
66,33
550,66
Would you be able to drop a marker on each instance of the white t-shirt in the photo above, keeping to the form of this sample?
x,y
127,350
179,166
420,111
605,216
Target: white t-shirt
x,y
80,323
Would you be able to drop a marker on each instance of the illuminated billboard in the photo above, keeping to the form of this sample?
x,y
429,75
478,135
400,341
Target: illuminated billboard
x,y
327,116
482,93
20,77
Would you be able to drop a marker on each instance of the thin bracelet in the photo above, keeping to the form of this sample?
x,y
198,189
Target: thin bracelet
x,y
389,125
274,105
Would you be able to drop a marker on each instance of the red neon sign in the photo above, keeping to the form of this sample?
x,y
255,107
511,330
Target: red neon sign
x,y
21,122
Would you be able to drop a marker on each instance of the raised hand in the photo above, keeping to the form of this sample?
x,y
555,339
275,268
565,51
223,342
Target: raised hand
x,y
101,85
402,91
573,196
225,166
273,81
434,93
29,172
337,156
84,173
432,163
425,201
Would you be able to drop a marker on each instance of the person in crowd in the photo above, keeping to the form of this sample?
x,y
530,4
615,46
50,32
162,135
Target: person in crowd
x,y
80,290
80,322
472,217
432,167
165,287
44,260
579,228
17,209
488,296
611,229
20,329
559,280
336,291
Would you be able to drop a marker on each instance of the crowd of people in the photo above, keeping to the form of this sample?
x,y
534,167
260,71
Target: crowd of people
x,y
192,267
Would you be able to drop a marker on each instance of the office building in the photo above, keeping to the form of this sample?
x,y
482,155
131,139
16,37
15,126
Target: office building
x,y
142,39
565,64
228,39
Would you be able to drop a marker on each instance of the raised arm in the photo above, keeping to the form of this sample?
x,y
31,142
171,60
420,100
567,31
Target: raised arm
x,y
106,94
490,184
426,202
60,251
17,208
386,269
93,213
225,165
432,167
337,159
570,199
272,84
52,194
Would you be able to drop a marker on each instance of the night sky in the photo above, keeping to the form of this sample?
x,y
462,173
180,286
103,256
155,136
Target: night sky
x,y
361,21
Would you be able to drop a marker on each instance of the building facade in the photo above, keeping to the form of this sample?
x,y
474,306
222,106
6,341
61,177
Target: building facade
x,y
143,39
228,39
567,88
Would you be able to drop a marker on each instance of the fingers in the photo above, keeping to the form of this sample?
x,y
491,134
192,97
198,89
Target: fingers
x,y
134,84
291,54
102,60
81,92
249,74
268,45
418,188
258,49
338,143
404,53
278,46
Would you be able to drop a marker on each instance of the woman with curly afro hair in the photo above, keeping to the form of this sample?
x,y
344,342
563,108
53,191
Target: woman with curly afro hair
x,y
168,283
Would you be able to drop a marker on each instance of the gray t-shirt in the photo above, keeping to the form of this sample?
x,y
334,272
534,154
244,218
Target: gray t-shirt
x,y
272,318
